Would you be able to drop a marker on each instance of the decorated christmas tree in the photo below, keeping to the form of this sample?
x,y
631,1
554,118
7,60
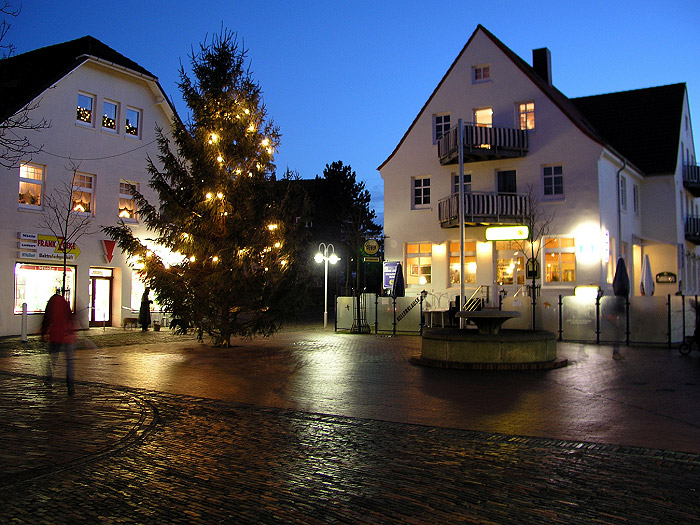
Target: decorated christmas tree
x,y
222,256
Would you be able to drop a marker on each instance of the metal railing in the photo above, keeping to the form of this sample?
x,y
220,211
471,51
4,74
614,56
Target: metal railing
x,y
497,141
485,207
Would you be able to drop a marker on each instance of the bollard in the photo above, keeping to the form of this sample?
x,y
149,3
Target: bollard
x,y
24,323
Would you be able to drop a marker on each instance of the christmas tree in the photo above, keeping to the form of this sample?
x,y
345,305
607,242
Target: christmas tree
x,y
221,212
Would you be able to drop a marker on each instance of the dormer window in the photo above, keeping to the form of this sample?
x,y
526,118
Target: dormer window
x,y
481,74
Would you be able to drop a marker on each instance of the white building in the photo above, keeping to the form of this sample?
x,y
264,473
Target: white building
x,y
615,181
102,108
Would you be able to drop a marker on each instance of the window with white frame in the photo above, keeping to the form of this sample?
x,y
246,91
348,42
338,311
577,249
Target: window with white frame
x,y
635,199
559,260
469,262
467,181
526,115
421,191
419,263
83,193
85,111
441,126
132,127
552,182
127,205
481,74
623,192
110,116
31,184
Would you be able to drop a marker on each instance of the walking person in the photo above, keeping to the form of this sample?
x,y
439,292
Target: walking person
x,y
145,311
58,329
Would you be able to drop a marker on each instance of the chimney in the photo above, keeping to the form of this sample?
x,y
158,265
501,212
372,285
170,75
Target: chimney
x,y
542,64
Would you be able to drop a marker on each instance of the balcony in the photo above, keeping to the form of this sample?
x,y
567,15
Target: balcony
x,y
482,143
484,208
692,229
691,179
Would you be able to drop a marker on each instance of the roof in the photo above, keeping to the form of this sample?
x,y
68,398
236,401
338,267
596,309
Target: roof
x,y
583,114
24,77
642,124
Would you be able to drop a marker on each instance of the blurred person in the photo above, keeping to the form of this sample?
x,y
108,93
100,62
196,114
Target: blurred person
x,y
58,329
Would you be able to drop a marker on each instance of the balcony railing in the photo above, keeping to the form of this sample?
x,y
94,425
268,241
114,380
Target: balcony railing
x,y
691,179
692,229
482,143
484,208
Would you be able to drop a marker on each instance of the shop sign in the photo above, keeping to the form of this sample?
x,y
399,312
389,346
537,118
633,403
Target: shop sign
x,y
39,246
389,272
507,233
371,247
665,277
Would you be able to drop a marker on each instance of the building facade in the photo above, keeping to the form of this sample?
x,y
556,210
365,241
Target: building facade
x,y
590,167
101,109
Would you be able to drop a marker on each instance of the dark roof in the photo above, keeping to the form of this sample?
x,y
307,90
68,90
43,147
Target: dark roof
x,y
26,76
583,116
643,125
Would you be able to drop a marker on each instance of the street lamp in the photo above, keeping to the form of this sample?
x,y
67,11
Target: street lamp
x,y
322,256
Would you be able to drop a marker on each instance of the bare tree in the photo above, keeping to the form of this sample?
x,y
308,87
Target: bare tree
x,y
63,220
14,143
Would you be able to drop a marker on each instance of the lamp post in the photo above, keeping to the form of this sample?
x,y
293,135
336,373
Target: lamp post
x,y
324,257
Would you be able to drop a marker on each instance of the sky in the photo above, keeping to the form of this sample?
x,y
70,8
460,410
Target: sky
x,y
344,80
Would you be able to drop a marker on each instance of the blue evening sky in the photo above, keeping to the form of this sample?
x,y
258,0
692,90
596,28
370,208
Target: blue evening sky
x,y
344,80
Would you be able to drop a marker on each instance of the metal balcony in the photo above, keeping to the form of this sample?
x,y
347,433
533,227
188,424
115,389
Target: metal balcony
x,y
482,143
484,208
692,229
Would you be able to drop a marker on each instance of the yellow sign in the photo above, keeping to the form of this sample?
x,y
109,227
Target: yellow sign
x,y
507,233
371,247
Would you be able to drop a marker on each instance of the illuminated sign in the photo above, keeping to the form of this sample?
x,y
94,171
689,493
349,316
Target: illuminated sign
x,y
38,246
507,233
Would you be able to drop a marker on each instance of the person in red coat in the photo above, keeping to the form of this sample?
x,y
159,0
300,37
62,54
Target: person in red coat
x,y
58,328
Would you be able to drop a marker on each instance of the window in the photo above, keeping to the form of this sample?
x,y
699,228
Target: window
x,y
31,182
442,126
560,260
83,188
36,283
469,262
467,183
127,206
133,122
635,198
421,191
526,115
109,116
419,263
552,181
506,181
623,192
84,114
481,74
483,117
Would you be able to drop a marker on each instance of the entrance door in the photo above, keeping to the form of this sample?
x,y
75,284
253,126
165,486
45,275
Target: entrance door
x,y
510,271
100,301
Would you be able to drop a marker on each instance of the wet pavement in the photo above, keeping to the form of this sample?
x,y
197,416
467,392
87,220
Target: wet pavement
x,y
312,427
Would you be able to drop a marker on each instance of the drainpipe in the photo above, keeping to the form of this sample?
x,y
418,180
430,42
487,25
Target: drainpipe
x,y
619,208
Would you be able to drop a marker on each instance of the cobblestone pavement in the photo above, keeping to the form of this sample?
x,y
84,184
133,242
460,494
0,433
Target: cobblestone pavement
x,y
139,445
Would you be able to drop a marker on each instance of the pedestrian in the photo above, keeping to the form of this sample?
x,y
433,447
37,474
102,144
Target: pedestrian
x,y
145,311
58,329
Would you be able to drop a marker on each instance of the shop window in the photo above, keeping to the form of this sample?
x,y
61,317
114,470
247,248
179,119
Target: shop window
x,y
83,193
85,110
133,122
109,116
469,262
419,263
36,283
127,205
560,260
31,182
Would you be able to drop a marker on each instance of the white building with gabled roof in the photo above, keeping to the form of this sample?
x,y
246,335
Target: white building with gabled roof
x,y
615,182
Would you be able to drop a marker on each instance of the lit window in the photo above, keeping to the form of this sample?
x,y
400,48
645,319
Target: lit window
x,y
31,181
421,191
442,126
133,122
469,262
83,189
481,74
86,104
560,260
127,206
36,283
419,263
526,113
109,116
553,181
467,183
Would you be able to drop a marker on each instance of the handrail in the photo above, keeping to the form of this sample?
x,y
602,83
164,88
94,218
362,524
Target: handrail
x,y
468,302
518,292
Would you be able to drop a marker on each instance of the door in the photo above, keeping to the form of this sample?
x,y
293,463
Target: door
x,y
506,182
100,301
